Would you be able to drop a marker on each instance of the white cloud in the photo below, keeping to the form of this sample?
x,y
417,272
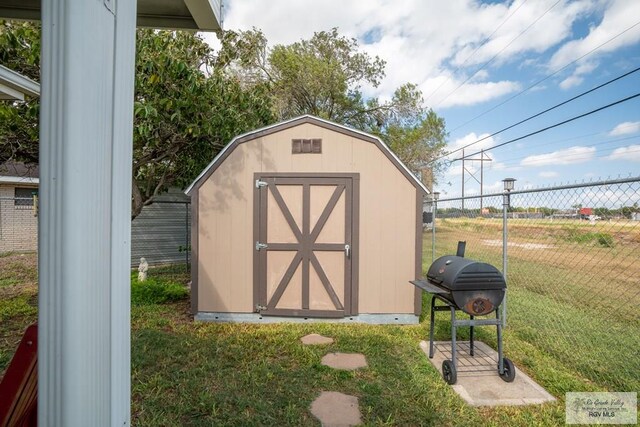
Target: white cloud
x,y
434,44
514,37
567,156
630,152
548,174
620,15
578,74
571,81
625,128
473,93
472,137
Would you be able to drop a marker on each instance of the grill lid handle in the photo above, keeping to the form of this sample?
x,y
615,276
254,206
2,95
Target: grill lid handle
x,y
461,248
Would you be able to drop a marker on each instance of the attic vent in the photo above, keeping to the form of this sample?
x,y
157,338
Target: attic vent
x,y
303,146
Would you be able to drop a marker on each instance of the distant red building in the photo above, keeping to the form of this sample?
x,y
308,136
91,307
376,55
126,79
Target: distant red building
x,y
586,211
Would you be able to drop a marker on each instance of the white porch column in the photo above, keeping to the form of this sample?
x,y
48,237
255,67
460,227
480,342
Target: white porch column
x,y
86,124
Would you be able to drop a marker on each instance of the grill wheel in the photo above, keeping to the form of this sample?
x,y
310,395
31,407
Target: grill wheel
x,y
449,372
509,370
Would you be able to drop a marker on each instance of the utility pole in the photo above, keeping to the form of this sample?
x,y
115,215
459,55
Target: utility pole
x,y
481,159
463,180
481,180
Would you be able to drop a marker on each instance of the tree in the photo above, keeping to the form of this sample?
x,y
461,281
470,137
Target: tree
x,y
186,109
325,75
20,51
186,106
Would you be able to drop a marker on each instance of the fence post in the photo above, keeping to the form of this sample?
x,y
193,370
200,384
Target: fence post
x,y
505,207
187,250
434,208
508,186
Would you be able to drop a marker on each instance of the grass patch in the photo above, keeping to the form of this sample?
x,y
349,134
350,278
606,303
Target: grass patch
x,y
17,269
574,301
157,289
576,235
201,374
19,306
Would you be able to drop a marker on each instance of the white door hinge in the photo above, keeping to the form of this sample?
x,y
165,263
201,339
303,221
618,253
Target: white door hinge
x,y
261,246
260,184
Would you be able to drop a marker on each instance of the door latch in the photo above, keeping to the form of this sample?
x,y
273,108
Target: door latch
x,y
260,184
261,246
347,251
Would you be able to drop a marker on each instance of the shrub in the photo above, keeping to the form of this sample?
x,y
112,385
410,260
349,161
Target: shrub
x,y
605,240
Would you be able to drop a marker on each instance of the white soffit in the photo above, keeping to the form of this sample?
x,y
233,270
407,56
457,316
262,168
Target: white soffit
x,y
16,86
201,15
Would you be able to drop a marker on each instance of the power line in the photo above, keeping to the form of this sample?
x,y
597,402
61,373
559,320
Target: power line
x,y
573,138
545,111
512,161
476,50
620,101
497,54
545,78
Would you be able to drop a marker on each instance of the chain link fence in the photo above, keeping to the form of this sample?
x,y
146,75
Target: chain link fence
x,y
573,270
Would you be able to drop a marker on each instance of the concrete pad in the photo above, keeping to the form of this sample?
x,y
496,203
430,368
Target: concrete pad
x,y
316,339
345,361
335,409
478,381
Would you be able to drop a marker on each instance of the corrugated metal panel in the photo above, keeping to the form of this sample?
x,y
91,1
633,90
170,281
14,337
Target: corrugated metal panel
x,y
161,234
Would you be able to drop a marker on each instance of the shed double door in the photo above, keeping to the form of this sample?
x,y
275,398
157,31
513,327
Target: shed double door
x,y
305,246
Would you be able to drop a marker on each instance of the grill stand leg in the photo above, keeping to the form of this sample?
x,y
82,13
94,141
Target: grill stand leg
x,y
453,338
499,333
433,321
471,338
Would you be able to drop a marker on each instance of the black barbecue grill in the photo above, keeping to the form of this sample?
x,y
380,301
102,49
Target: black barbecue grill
x,y
475,288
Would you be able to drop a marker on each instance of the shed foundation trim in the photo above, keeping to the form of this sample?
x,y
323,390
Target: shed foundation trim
x,y
371,319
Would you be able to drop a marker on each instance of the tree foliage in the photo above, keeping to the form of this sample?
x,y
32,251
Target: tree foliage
x,y
186,109
20,51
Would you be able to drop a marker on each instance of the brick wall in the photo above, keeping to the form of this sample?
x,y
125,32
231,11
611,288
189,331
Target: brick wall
x,y
18,223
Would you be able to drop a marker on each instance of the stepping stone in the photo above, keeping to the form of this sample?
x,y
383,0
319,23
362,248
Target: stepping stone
x,y
335,409
345,361
315,339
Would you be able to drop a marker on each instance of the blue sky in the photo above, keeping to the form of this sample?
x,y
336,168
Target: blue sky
x,y
501,48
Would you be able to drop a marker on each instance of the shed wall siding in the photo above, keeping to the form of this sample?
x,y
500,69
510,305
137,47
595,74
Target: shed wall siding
x,y
160,234
387,219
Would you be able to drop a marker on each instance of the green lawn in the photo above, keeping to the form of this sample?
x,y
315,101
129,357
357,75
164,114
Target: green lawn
x,y
568,300
186,373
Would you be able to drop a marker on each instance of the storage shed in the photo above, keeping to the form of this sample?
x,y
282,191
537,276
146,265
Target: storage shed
x,y
306,219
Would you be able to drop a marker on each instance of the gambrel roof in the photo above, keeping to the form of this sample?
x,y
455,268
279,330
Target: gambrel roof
x,y
228,149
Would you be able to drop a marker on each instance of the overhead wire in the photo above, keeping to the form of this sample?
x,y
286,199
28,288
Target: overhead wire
x,y
545,78
541,112
556,141
512,161
555,125
497,54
